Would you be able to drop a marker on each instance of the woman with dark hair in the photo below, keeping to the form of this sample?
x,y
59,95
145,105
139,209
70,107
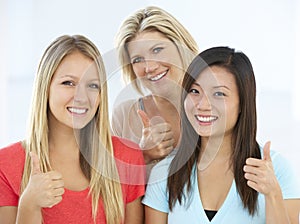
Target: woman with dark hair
x,y
220,174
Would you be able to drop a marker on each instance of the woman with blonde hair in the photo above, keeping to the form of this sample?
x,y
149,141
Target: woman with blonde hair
x,y
154,50
69,169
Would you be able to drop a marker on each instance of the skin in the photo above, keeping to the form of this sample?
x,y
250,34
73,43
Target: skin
x,y
157,63
215,97
73,101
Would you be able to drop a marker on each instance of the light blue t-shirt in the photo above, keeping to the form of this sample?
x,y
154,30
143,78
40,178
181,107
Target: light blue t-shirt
x,y
232,211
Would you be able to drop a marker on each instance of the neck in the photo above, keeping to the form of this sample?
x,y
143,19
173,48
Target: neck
x,y
63,141
167,103
213,149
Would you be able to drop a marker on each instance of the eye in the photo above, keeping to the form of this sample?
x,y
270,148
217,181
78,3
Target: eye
x,y
194,91
68,83
137,60
94,86
219,94
157,50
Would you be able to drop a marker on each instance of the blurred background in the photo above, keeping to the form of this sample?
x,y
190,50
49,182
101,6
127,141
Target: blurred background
x,y
268,32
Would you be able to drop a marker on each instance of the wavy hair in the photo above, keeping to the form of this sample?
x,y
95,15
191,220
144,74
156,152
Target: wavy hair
x,y
153,18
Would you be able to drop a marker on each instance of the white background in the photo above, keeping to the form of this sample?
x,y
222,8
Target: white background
x,y
267,31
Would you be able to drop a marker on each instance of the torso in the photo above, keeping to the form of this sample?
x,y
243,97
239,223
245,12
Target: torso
x,y
214,184
73,177
76,204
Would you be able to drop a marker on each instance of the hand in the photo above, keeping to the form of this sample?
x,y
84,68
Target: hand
x,y
157,139
260,173
43,189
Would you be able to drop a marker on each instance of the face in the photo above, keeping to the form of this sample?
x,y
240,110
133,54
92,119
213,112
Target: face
x,y
74,92
156,61
212,104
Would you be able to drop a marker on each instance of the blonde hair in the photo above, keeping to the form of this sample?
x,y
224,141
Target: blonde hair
x,y
153,18
96,150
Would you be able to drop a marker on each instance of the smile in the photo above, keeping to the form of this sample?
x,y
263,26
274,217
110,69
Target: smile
x,y
206,119
77,110
158,77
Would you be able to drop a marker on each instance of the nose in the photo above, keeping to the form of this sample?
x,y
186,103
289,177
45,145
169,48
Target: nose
x,y
150,66
80,94
203,103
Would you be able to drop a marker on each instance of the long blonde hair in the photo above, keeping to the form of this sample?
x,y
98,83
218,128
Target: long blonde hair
x,y
153,18
96,150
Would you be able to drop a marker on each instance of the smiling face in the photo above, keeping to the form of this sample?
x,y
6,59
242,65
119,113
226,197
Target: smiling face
x,y
74,92
212,103
156,61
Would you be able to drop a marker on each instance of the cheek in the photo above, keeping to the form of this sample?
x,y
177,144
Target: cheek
x,y
233,114
138,69
188,107
94,100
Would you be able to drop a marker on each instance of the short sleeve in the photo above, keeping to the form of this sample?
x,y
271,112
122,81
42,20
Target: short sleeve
x,y
131,167
7,195
286,177
156,195
11,174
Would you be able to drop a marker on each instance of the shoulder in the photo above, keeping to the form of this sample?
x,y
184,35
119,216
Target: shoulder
x,y
12,153
124,117
126,150
125,105
130,163
286,175
12,160
160,171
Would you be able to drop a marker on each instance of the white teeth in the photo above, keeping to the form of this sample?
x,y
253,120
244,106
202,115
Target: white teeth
x,y
158,77
206,119
77,110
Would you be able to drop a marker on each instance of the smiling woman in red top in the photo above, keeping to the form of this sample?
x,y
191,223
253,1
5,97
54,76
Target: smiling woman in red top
x,y
69,169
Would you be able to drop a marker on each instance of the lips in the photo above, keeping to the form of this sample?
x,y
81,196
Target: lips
x,y
206,119
157,77
75,110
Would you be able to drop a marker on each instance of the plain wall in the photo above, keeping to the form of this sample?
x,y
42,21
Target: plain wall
x,y
267,31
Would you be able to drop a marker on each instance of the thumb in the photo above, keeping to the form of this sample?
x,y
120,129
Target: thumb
x,y
35,164
144,117
267,155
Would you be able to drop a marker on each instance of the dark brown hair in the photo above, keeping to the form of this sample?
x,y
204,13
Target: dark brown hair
x,y
244,144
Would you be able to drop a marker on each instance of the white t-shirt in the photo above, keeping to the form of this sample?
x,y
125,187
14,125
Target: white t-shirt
x,y
232,211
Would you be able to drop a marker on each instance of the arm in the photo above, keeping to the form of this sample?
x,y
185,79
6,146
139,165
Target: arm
x,y
129,122
28,212
43,190
276,211
157,139
293,209
134,212
261,177
153,216
8,214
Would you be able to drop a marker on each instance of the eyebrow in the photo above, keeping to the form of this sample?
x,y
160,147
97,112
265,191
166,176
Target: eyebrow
x,y
226,87
69,76
214,87
133,56
74,77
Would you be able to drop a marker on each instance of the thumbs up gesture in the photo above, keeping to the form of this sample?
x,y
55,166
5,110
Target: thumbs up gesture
x,y
260,173
43,189
157,138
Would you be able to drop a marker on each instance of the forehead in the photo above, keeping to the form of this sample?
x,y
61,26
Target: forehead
x,y
78,65
148,38
216,76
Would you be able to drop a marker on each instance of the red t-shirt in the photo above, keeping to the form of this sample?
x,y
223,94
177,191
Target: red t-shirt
x,y
76,206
